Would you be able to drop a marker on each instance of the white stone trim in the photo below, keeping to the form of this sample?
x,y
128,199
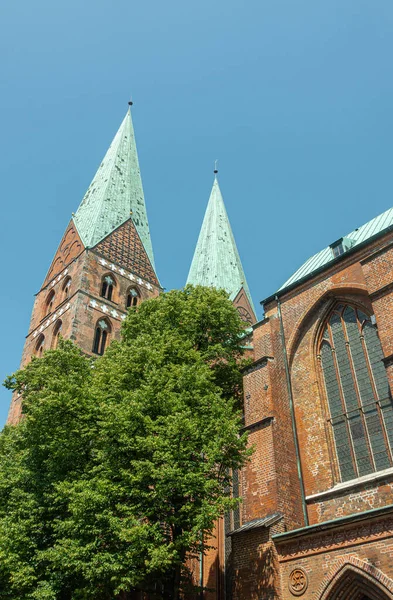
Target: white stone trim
x,y
51,319
106,309
58,278
122,271
353,483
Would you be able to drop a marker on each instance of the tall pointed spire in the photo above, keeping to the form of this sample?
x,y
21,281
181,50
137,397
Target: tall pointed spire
x,y
115,194
216,262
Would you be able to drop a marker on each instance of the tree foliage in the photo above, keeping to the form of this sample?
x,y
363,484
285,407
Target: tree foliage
x,y
121,466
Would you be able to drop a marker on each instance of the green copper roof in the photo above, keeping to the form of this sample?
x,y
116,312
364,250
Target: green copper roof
x,y
325,257
115,193
216,262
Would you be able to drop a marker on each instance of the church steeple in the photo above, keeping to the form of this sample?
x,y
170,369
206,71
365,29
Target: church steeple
x,y
216,261
115,194
103,265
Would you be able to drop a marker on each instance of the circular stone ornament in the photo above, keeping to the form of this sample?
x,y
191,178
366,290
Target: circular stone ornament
x,y
298,582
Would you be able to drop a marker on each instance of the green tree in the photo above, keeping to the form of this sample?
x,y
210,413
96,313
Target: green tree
x,y
121,466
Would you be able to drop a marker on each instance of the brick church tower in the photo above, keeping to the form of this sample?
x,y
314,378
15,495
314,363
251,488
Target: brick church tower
x,y
216,263
103,265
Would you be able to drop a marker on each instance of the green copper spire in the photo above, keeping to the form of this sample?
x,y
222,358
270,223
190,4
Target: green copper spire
x,y
216,262
115,194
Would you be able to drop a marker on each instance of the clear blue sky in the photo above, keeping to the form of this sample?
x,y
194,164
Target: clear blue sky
x,y
295,99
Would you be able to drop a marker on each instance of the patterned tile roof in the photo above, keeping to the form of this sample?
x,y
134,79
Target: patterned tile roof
x,y
216,262
115,193
356,237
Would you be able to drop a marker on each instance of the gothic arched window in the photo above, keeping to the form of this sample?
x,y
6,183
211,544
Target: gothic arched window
x,y
107,285
358,393
56,333
66,288
101,336
132,298
49,303
39,345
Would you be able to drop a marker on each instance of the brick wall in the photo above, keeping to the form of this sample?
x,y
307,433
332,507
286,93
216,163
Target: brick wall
x,y
80,308
270,482
367,546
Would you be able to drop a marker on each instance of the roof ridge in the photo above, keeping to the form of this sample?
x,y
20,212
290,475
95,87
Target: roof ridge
x,y
324,257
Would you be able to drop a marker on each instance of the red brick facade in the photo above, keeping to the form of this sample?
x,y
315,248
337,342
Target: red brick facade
x,y
338,540
70,300
329,538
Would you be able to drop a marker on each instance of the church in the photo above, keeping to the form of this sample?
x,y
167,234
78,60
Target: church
x,y
316,518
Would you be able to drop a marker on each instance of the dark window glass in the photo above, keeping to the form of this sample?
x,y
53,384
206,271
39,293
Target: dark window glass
x,y
107,287
100,337
49,303
39,346
132,298
56,334
358,393
338,250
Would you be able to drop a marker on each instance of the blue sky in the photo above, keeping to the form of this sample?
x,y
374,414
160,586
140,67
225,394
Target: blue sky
x,y
295,99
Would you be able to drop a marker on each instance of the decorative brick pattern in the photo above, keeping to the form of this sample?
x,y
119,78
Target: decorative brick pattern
x,y
70,247
83,306
123,246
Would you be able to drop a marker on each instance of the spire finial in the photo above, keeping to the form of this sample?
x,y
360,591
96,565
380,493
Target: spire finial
x,y
130,102
215,166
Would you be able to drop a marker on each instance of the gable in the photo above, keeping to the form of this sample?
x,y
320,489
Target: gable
x,y
124,247
69,248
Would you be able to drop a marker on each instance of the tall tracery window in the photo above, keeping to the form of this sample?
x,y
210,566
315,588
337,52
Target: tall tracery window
x,y
132,298
101,336
108,283
358,393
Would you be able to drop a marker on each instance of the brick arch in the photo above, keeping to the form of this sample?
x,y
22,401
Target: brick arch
x,y
324,304
306,375
352,578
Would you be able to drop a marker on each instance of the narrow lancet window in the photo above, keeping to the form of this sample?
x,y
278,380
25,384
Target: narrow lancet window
x,y
56,333
66,288
49,303
132,298
107,286
39,346
101,336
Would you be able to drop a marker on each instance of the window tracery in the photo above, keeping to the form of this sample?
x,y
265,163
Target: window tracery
x,y
358,393
132,298
101,336
107,285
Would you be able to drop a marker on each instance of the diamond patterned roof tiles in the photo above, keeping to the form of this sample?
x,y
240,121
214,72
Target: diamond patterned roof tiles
x,y
216,261
115,193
